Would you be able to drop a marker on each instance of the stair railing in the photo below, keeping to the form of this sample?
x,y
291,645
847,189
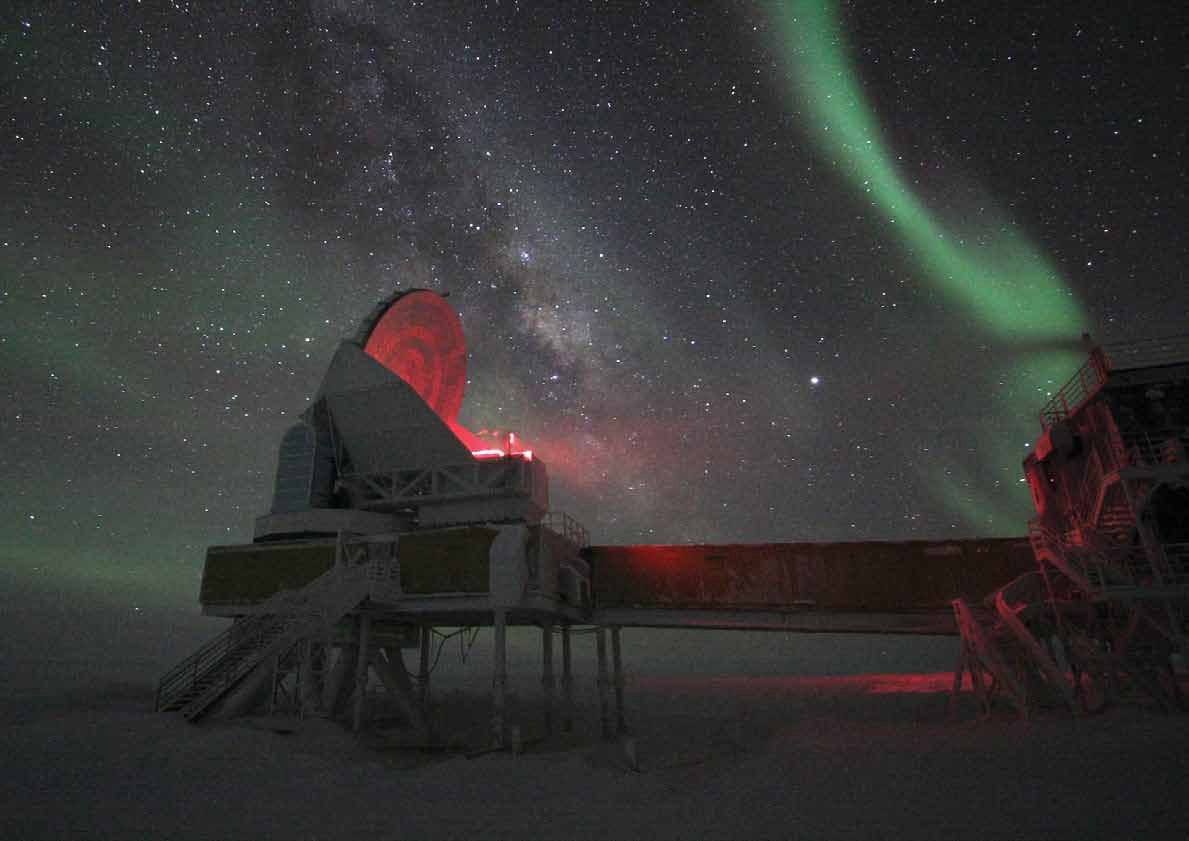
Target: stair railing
x,y
1052,547
1091,490
178,680
1177,555
313,607
284,606
186,673
565,525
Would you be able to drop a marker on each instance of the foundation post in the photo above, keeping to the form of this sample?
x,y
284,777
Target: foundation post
x,y
423,664
499,678
617,665
365,627
567,681
547,673
603,681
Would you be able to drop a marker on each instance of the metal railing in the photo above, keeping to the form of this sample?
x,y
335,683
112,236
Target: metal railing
x,y
1117,356
1177,555
185,675
200,678
1091,491
1141,449
1052,547
1147,353
1076,393
562,523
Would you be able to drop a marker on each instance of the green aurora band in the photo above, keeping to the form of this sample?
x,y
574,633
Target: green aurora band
x,y
1015,300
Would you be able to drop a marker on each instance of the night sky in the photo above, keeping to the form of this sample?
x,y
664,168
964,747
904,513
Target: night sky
x,y
737,273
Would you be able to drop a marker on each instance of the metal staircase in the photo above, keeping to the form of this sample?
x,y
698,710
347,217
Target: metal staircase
x,y
198,682
1005,651
1112,554
1115,521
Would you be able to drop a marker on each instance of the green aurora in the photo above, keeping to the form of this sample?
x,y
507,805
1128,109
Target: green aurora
x,y
990,275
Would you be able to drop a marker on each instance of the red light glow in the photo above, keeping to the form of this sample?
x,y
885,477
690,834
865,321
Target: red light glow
x,y
488,453
419,338
498,444
527,455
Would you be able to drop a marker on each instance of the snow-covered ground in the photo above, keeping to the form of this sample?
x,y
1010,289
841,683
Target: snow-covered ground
x,y
738,735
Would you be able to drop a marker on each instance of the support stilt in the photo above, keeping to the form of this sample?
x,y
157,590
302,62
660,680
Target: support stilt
x,y
423,664
567,681
603,681
365,627
499,678
313,673
547,673
391,670
617,666
341,683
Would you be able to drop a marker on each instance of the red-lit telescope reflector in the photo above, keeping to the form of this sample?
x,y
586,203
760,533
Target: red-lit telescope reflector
x,y
418,336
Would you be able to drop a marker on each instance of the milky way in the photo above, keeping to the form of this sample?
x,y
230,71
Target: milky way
x,y
668,230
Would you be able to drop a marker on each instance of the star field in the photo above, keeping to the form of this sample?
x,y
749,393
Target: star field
x,y
700,314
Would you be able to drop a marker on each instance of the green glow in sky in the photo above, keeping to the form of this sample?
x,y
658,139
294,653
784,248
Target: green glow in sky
x,y
991,272
1014,299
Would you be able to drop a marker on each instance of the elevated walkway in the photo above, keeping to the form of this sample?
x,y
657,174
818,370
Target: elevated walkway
x,y
866,587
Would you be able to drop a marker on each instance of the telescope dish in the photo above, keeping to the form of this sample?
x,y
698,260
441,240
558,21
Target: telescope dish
x,y
419,338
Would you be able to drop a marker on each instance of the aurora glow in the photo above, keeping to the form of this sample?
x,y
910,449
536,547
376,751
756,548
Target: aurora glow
x,y
987,269
666,230
991,272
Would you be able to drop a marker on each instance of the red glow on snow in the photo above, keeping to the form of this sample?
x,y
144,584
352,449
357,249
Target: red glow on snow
x,y
918,683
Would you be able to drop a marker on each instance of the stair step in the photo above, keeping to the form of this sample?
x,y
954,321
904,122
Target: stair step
x,y
256,637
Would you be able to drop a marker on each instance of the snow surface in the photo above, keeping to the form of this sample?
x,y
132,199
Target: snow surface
x,y
738,735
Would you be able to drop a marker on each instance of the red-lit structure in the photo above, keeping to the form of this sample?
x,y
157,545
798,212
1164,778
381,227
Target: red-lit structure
x,y
1105,612
390,519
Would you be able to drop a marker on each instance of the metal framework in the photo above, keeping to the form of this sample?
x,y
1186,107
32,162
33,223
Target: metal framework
x,y
324,613
407,488
1105,615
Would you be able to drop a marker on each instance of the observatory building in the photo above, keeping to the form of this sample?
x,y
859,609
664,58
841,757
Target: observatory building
x,y
1105,612
389,519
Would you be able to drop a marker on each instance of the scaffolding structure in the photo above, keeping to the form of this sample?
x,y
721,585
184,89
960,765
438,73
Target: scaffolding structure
x,y
1104,615
390,521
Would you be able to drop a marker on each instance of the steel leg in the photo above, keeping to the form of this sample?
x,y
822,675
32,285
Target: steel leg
x,y
603,681
567,681
499,680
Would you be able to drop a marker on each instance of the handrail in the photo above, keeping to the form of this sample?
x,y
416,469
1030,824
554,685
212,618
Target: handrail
x,y
313,607
562,523
1144,353
1177,556
1092,489
1076,393
285,607
1047,543
1144,451
201,660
